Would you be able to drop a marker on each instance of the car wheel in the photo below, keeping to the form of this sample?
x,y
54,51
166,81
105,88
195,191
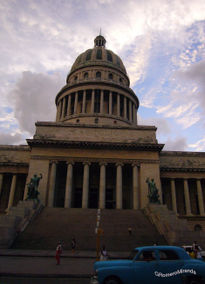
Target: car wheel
x,y
194,280
112,280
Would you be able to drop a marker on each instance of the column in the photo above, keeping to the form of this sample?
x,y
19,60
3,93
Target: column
x,y
69,185
125,107
119,186
52,184
200,197
1,183
110,103
134,114
187,198
84,101
101,101
12,192
58,112
85,185
76,103
102,185
130,112
63,107
118,104
135,186
69,104
92,101
173,191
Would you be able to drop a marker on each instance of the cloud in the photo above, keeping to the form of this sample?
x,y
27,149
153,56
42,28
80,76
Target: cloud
x,y
199,145
178,144
8,139
163,126
33,99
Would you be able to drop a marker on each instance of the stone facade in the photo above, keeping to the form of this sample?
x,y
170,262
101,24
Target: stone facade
x,y
96,155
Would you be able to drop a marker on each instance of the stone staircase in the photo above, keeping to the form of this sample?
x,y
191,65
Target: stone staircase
x,y
60,224
176,231
115,224
16,220
54,224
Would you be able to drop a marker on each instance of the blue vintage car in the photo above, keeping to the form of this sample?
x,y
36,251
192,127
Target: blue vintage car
x,y
150,265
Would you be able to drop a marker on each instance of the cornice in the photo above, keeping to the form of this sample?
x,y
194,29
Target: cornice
x,y
14,164
167,169
73,160
96,145
75,125
181,154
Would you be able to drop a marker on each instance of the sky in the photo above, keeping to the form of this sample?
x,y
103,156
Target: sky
x,y
161,43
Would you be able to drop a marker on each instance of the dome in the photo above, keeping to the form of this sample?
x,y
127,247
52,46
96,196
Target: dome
x,y
99,55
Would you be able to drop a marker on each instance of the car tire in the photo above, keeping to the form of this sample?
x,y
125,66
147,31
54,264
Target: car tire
x,y
194,280
112,280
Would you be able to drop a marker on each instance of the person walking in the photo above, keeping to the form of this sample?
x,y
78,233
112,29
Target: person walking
x,y
103,253
73,245
58,252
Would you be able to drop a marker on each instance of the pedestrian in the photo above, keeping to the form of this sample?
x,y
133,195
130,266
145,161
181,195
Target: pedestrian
x,y
103,253
58,253
130,231
73,245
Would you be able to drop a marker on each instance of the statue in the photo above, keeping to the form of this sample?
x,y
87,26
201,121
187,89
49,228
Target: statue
x,y
152,192
33,187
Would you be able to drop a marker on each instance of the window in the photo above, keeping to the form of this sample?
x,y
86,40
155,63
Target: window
x,y
168,255
147,255
99,54
88,56
109,56
110,76
98,75
86,75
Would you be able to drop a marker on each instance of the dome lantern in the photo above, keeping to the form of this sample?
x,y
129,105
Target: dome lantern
x,y
99,41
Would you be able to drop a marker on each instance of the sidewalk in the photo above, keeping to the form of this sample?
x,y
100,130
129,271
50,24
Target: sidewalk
x,y
39,263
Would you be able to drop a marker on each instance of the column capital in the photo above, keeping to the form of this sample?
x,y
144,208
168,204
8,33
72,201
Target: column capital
x,y
87,163
119,164
70,163
135,164
53,162
103,163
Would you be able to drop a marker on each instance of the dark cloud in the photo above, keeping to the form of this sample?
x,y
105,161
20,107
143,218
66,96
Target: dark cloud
x,y
33,99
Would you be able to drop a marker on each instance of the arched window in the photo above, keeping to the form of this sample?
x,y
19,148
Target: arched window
x,y
75,78
99,54
88,56
110,76
86,75
109,56
98,75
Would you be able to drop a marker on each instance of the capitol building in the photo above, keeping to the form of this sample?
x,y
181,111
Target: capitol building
x,y
96,155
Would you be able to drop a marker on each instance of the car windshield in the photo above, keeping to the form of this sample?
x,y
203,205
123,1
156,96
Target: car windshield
x,y
133,254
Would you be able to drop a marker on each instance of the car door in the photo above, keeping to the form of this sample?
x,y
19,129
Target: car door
x,y
144,267
169,265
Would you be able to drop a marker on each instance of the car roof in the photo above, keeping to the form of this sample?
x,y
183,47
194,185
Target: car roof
x,y
158,247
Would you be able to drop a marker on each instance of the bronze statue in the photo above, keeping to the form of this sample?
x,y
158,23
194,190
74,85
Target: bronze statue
x,y
33,187
152,192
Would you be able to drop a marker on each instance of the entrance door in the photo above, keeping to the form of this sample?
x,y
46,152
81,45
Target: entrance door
x,y
110,202
93,198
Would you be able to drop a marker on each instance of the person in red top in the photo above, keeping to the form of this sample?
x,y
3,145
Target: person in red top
x,y
58,252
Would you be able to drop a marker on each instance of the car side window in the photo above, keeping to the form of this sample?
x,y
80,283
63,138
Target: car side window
x,y
168,255
147,255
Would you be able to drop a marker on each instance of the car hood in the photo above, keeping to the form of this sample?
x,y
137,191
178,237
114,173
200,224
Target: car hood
x,y
101,264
